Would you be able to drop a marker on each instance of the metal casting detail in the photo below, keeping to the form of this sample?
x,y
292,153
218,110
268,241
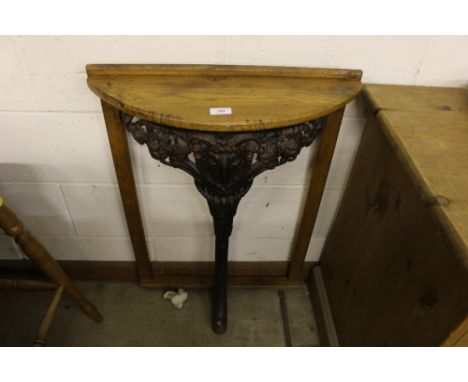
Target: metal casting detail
x,y
223,165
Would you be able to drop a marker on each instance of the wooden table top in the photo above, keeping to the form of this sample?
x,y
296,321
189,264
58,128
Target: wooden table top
x,y
429,128
259,97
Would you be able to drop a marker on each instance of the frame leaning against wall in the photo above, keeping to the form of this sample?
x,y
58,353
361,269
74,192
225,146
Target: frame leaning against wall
x,y
196,275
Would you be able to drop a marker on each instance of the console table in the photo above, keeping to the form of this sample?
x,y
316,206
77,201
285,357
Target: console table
x,y
223,125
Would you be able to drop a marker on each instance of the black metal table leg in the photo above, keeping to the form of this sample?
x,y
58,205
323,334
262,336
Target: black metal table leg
x,y
219,313
223,209
223,166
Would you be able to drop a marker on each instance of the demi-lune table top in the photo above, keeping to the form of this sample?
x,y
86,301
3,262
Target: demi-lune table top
x,y
224,98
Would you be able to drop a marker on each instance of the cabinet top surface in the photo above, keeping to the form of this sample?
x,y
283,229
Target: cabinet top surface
x,y
224,98
429,128
415,98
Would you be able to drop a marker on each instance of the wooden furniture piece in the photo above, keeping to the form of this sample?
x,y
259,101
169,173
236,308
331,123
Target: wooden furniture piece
x,y
395,265
32,248
224,125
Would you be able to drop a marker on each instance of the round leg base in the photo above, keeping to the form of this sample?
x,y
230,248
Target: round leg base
x,y
219,325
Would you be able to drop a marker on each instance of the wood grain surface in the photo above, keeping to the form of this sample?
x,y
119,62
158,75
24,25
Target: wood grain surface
x,y
395,262
433,147
415,98
392,273
259,97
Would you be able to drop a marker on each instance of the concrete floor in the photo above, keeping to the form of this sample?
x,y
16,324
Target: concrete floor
x,y
141,317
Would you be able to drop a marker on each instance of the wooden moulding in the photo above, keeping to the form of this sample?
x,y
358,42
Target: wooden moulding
x,y
221,70
166,274
260,97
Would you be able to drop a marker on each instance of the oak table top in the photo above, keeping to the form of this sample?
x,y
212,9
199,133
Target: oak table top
x,y
429,129
258,97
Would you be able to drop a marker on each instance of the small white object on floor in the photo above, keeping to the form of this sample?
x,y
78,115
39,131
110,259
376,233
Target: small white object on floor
x,y
177,298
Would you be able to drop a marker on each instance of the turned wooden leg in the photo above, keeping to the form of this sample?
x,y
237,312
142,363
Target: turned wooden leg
x,y
36,252
27,284
46,323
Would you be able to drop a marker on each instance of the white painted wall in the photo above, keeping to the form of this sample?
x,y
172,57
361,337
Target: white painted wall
x,y
56,169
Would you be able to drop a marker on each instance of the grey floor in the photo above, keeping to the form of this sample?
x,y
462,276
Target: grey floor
x,y
141,317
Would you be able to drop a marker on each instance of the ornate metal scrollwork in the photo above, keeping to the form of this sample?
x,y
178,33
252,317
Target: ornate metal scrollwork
x,y
223,165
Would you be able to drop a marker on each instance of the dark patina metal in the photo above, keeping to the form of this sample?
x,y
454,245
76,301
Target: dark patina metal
x,y
223,166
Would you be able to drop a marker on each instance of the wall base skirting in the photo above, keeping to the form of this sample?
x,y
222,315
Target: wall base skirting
x,y
270,274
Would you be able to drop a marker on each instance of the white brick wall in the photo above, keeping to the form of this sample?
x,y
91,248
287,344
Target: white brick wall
x,y
55,164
